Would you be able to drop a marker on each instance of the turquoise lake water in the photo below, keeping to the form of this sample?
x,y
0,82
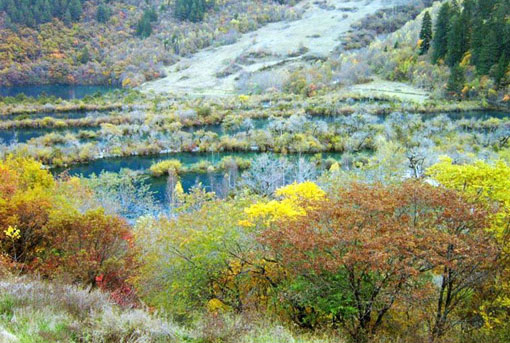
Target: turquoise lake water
x,y
66,92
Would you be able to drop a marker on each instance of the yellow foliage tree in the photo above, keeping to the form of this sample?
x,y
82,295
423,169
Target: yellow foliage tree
x,y
294,201
488,184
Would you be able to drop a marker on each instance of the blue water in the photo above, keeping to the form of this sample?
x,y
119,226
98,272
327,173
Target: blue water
x,y
66,92
210,181
143,163
478,115
54,115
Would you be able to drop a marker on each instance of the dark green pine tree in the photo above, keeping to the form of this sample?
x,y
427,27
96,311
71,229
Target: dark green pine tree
x,y
456,81
103,13
194,15
489,53
426,33
84,55
46,11
67,19
192,10
440,40
479,33
485,8
75,9
456,43
501,69
181,9
144,27
506,39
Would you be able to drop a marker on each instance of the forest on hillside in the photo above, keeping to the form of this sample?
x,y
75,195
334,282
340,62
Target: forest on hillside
x,y
116,42
34,12
475,34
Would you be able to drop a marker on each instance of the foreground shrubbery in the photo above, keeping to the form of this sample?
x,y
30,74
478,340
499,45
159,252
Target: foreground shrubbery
x,y
35,311
55,228
361,261
353,260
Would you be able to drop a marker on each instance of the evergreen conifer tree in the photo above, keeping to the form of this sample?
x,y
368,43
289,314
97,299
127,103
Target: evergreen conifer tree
x,y
440,41
456,44
426,33
456,80
103,13
489,53
75,9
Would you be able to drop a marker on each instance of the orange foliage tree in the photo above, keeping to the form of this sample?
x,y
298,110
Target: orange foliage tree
x,y
43,230
87,247
364,248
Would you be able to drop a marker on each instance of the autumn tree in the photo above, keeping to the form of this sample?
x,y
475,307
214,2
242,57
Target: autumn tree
x,y
356,253
87,247
26,198
204,258
488,185
43,229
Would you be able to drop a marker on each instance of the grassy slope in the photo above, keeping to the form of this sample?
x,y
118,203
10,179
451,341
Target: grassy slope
x,y
41,312
317,31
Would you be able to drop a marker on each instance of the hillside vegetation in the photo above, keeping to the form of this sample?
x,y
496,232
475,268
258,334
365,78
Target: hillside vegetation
x,y
453,53
114,42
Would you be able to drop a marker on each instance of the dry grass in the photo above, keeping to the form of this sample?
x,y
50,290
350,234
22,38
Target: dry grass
x,y
35,311
38,311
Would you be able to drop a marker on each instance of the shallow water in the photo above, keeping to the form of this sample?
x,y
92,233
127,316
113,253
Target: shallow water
x,y
210,181
54,115
480,115
66,92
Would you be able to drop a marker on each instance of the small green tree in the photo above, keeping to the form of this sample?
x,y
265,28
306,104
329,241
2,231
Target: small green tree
x,y
75,9
501,69
144,25
192,10
84,55
456,80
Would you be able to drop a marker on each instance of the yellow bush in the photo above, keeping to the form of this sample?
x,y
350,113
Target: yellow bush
x,y
164,167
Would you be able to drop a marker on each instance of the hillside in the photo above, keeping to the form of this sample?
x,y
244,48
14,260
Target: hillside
x,y
110,42
233,46
277,48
